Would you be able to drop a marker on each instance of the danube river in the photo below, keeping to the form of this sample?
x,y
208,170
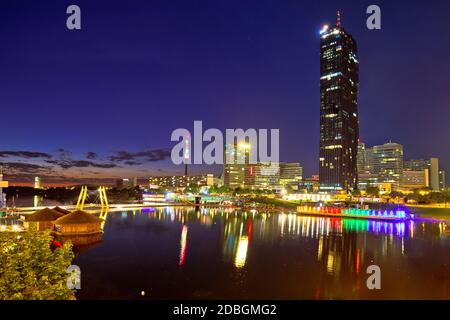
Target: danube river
x,y
181,253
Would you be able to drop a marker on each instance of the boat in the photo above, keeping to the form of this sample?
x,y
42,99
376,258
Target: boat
x,y
356,213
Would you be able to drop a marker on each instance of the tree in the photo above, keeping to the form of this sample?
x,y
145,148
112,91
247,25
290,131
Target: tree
x,y
372,191
31,270
396,194
192,188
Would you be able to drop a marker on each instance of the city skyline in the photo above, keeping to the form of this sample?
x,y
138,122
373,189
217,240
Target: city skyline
x,y
73,124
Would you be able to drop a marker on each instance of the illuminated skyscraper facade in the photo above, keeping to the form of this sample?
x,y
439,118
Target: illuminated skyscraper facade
x,y
236,159
339,128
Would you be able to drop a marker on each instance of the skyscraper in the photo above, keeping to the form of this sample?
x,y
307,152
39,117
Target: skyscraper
x,y
236,159
3,184
291,174
361,159
339,129
37,183
386,161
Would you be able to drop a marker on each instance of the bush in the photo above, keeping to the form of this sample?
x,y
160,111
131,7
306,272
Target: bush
x,y
31,270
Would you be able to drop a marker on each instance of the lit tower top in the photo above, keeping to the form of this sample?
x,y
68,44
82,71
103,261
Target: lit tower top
x,y
338,19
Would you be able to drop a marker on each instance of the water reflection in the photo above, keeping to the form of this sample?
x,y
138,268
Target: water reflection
x,y
183,245
337,237
37,201
307,256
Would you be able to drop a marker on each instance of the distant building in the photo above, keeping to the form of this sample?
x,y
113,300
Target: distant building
x,y
37,183
368,180
236,159
3,184
127,183
361,159
179,182
310,185
415,179
290,174
432,165
386,162
262,176
442,184
339,129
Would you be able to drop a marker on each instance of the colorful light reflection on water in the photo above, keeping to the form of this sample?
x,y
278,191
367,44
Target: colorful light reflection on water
x,y
177,252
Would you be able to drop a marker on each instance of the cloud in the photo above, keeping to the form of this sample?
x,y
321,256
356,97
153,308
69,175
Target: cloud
x,y
25,154
91,155
147,155
132,163
67,164
25,168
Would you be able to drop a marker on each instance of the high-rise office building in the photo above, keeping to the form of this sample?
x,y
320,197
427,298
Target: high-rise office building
x,y
236,159
362,161
291,174
3,184
262,176
179,182
37,183
442,184
432,165
339,129
415,179
386,161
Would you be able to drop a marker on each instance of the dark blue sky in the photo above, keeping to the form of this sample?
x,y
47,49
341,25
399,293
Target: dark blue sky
x,y
140,69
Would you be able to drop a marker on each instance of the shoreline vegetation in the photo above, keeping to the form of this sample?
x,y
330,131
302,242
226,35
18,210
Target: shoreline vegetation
x,y
41,271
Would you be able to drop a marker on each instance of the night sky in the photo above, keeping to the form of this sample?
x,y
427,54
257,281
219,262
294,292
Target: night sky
x,y
101,102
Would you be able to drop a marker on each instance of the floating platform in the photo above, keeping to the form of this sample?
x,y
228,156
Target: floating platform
x,y
392,215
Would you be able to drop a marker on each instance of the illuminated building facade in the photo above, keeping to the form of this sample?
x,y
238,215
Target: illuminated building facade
x,y
362,163
442,184
291,174
339,128
177,182
37,183
432,165
3,184
236,159
263,176
415,179
310,184
386,162
127,183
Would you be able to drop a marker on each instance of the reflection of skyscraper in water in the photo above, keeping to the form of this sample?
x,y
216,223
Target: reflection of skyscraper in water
x,y
183,245
236,240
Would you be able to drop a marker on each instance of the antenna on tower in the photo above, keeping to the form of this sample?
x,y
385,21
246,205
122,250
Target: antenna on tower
x,y
338,19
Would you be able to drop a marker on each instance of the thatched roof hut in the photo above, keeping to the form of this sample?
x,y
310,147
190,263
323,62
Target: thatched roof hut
x,y
78,223
61,210
42,219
